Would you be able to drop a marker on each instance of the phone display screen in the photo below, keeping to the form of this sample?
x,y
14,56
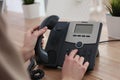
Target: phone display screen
x,y
84,28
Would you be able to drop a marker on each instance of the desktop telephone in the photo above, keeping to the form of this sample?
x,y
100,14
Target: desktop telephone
x,y
64,37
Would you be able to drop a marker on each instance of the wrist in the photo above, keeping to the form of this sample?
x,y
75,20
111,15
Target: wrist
x,y
26,50
27,53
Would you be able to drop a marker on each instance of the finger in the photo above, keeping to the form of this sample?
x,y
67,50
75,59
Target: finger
x,y
73,53
66,56
33,28
77,58
42,43
86,64
41,31
81,60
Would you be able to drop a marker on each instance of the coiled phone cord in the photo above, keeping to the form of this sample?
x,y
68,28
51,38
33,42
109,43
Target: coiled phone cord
x,y
35,74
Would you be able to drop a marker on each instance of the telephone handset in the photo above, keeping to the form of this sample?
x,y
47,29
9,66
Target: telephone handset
x,y
41,55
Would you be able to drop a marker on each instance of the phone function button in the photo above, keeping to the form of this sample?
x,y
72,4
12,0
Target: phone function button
x,y
79,44
79,35
74,35
83,35
68,51
87,35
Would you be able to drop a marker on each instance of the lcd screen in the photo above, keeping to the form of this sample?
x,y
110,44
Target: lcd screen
x,y
84,28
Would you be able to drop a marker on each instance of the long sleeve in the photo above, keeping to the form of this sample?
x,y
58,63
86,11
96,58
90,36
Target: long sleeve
x,y
11,62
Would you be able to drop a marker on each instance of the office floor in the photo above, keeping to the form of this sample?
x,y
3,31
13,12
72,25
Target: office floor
x,y
106,67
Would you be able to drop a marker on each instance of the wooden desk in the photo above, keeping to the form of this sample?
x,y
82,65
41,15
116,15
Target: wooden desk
x,y
107,66
55,74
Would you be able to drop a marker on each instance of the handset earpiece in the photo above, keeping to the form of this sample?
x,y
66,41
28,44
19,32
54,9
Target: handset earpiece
x,y
40,54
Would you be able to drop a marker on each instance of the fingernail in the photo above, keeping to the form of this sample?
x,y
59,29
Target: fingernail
x,y
75,49
45,27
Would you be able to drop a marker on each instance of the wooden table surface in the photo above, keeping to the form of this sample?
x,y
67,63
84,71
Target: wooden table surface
x,y
107,66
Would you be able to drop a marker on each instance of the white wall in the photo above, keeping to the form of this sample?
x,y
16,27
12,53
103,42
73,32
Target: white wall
x,y
72,10
16,6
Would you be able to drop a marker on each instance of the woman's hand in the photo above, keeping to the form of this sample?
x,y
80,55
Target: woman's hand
x,y
30,40
73,67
